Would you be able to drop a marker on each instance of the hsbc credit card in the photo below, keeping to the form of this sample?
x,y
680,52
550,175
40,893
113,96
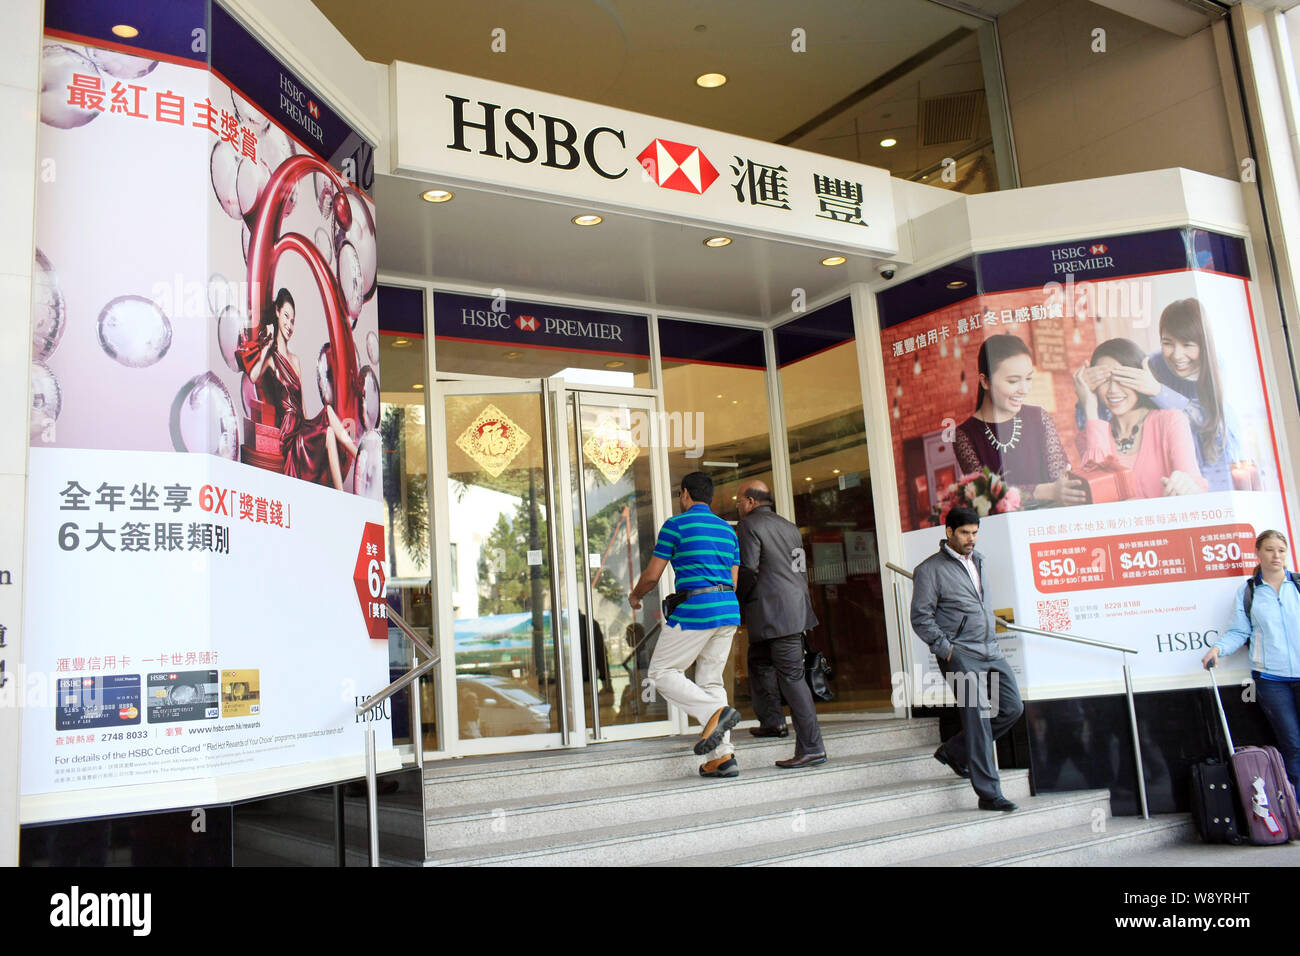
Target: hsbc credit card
x,y
87,702
182,695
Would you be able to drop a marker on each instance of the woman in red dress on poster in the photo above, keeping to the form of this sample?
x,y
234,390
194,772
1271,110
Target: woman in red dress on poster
x,y
310,445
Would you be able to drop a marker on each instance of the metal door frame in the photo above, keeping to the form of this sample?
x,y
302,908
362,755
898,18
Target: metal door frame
x,y
554,395
561,393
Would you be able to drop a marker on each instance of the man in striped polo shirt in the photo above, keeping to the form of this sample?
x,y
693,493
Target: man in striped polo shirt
x,y
705,556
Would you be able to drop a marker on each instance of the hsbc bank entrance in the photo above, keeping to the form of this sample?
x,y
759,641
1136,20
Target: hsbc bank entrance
x,y
557,437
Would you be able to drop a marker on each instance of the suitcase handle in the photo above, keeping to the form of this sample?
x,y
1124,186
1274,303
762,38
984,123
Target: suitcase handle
x,y
1223,717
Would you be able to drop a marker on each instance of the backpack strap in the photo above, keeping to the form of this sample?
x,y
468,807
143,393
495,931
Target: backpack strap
x,y
1249,598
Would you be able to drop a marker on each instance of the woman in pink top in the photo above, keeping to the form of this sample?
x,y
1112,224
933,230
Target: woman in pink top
x,y
1155,443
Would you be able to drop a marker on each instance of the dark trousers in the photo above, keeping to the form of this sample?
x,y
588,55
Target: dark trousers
x,y
982,722
1281,701
776,671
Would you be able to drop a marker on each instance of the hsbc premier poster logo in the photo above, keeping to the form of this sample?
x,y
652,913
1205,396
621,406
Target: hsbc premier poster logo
x,y
678,166
527,323
1081,258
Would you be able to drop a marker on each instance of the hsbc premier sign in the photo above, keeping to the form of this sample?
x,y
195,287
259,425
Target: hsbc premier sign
x,y
472,318
466,131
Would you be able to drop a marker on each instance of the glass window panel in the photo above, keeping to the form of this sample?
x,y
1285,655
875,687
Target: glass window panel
x,y
716,421
403,431
830,475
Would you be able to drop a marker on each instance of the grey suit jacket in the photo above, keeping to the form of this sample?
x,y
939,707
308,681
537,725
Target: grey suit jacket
x,y
947,610
773,589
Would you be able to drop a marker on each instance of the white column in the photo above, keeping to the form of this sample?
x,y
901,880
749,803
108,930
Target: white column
x,y
1272,107
884,483
20,55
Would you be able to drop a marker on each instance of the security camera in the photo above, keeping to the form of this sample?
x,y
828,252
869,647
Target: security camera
x,y
886,270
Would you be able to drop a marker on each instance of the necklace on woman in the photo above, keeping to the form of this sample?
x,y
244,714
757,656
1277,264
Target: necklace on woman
x,y
1004,446
1125,445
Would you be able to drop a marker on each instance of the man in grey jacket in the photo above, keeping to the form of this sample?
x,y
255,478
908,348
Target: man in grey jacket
x,y
773,593
951,613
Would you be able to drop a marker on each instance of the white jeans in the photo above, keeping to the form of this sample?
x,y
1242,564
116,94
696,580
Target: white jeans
x,y
709,651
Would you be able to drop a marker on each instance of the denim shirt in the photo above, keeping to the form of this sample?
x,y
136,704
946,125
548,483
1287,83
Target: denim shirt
x,y
1273,630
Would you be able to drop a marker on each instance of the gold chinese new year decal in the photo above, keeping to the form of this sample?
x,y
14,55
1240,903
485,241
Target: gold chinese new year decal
x,y
610,448
492,440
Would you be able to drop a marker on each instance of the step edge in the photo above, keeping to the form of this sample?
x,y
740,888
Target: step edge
x,y
454,777
661,787
665,827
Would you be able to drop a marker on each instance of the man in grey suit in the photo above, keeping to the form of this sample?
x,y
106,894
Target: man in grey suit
x,y
952,614
773,593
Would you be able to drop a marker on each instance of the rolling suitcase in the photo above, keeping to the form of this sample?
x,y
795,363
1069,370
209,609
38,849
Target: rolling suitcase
x,y
1268,800
1214,803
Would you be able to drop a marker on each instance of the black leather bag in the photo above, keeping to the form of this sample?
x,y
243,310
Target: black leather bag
x,y
672,601
817,673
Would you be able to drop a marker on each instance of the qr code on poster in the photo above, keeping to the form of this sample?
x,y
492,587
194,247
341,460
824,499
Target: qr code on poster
x,y
1054,615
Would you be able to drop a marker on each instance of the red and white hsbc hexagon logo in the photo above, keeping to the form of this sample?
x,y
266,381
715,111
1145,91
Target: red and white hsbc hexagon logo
x,y
677,166
527,323
371,581
1098,249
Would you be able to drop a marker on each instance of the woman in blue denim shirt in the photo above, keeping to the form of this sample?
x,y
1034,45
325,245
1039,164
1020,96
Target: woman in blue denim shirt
x,y
1273,632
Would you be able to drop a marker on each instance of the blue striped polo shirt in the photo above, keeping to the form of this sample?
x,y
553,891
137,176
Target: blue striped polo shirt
x,y
703,549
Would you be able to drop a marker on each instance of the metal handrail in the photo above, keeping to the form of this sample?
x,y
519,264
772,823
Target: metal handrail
x,y
1075,639
1062,636
417,725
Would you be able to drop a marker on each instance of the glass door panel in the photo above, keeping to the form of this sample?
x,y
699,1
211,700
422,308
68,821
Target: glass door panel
x,y
611,471
502,616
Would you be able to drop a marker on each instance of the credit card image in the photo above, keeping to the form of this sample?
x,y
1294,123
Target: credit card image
x,y
171,696
111,700
241,695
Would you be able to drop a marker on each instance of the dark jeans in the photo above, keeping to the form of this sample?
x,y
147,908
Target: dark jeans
x,y
982,719
776,671
1281,702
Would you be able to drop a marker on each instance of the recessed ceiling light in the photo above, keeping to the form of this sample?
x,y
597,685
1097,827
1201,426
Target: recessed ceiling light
x,y
719,395
710,80
807,479
834,261
735,401
512,355
835,471
888,141
417,386
615,364
957,284
717,242
437,195
126,31
591,219
401,343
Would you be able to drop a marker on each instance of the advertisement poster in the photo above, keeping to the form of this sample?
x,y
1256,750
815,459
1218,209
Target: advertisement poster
x,y
1102,403
204,519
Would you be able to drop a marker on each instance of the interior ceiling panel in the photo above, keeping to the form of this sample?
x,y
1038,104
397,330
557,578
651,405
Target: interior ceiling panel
x,y
868,68
635,55
498,241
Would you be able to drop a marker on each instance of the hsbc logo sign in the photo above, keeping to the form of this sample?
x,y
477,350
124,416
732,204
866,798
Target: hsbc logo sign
x,y
1070,259
526,136
527,323
678,166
